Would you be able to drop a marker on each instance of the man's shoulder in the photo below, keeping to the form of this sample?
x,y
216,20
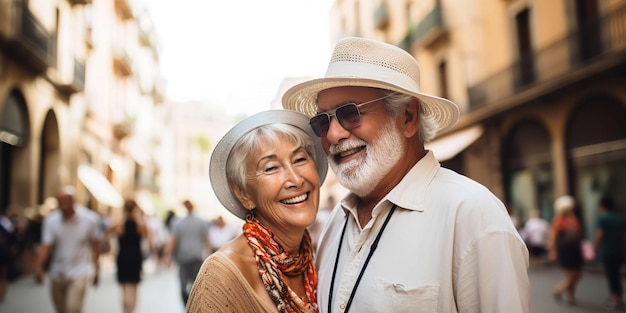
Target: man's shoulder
x,y
53,216
87,214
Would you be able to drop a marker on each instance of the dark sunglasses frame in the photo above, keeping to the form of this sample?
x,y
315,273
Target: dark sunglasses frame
x,y
320,123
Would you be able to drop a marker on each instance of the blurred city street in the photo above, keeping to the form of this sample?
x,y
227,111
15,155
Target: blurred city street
x,y
158,293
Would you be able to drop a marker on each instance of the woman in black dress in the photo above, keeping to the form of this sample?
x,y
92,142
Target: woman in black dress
x,y
129,232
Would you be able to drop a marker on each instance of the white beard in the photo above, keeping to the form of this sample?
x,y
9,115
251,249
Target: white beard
x,y
361,176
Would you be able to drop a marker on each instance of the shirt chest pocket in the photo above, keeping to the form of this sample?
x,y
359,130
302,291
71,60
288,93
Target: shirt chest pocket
x,y
403,298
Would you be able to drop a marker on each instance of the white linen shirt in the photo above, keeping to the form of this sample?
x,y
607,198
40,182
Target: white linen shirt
x,y
449,247
72,241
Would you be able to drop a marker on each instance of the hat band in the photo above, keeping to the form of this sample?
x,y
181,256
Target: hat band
x,y
372,72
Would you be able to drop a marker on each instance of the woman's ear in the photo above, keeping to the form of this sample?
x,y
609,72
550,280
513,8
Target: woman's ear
x,y
242,196
411,118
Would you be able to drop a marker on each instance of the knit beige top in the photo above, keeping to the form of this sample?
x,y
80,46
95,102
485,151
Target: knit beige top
x,y
221,287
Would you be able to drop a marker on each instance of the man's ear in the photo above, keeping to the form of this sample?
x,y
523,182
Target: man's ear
x,y
242,196
411,118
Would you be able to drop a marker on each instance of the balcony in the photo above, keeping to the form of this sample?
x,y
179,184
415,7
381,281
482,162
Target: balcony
x,y
24,37
381,16
122,130
428,31
122,62
146,37
77,2
158,91
89,36
598,46
76,83
124,9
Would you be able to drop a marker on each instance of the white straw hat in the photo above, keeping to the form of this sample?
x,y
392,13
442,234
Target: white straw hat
x,y
564,204
368,63
217,166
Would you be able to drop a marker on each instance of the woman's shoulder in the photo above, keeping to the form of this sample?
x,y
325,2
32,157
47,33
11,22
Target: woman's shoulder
x,y
222,281
238,252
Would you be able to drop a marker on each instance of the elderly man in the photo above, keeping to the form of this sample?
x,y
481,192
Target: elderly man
x,y
410,236
188,244
71,239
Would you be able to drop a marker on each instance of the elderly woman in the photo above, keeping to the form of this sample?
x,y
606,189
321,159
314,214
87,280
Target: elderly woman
x,y
564,246
267,170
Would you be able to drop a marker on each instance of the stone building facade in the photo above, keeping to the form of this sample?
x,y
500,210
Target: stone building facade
x,y
541,86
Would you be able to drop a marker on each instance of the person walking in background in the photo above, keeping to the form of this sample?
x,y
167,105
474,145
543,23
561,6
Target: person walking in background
x,y
157,237
8,250
410,235
170,220
71,238
536,234
129,232
564,246
267,170
220,233
609,243
188,244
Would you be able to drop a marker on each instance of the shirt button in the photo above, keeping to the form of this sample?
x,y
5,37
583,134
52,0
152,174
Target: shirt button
x,y
342,306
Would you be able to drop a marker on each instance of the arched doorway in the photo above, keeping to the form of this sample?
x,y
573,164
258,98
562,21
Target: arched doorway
x,y
14,134
527,170
50,159
596,150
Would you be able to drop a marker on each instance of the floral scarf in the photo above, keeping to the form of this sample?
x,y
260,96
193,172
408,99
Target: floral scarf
x,y
273,262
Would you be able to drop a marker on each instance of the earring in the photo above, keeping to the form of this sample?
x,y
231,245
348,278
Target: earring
x,y
250,216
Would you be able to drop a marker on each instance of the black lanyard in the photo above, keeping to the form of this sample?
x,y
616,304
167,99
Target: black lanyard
x,y
367,260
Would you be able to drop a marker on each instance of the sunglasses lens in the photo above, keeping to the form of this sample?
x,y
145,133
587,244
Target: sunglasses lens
x,y
348,116
320,124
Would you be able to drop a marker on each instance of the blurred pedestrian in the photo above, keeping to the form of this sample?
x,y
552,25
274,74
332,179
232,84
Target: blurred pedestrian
x,y
220,233
536,236
609,243
170,220
157,237
8,250
188,243
32,240
564,245
71,238
129,232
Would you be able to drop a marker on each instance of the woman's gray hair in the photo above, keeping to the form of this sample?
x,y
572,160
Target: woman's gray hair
x,y
264,135
394,104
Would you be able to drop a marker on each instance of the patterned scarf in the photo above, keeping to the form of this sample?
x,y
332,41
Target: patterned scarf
x,y
274,262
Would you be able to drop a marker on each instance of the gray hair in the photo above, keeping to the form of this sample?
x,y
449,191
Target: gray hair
x,y
251,141
394,104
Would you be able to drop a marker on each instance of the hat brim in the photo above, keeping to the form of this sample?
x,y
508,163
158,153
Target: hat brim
x,y
221,152
303,97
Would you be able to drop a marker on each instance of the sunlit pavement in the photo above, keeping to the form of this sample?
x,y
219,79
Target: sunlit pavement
x,y
158,293
591,294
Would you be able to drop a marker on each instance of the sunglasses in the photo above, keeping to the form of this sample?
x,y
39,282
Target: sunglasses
x,y
348,116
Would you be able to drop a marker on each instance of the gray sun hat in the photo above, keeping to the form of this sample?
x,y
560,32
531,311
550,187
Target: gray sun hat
x,y
221,153
363,62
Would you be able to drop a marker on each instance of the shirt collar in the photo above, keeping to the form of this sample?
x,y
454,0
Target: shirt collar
x,y
409,193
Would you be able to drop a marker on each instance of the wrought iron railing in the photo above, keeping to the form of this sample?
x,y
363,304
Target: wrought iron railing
x,y
26,37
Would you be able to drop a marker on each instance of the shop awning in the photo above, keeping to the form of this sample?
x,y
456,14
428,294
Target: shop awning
x,y
448,146
99,186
